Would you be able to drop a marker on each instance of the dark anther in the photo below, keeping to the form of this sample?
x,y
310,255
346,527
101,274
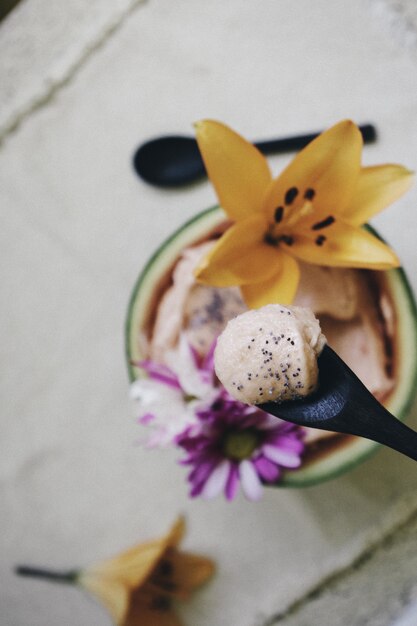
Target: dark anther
x,y
309,194
279,212
328,221
291,195
167,585
161,603
216,406
275,241
165,568
271,240
320,240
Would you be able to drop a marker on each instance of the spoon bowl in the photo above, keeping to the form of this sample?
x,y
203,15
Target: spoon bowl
x,y
343,404
169,161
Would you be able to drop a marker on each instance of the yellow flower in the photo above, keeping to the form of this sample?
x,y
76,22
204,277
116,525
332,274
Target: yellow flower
x,y
138,586
312,212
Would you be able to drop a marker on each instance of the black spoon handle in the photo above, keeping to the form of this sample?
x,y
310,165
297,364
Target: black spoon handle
x,y
288,144
343,404
382,427
363,415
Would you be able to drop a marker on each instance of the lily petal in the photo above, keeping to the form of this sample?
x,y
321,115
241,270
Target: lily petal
x,y
176,533
141,614
345,246
376,188
189,572
113,595
327,168
239,172
125,585
133,566
240,256
281,287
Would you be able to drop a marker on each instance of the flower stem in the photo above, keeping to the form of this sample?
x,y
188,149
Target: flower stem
x,y
36,572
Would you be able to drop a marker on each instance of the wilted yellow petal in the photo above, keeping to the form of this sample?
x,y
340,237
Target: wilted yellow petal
x,y
113,580
114,595
176,533
142,615
279,288
345,246
239,172
137,586
376,188
131,567
189,572
328,168
240,256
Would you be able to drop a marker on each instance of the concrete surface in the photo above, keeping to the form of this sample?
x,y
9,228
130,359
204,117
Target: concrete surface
x,y
81,86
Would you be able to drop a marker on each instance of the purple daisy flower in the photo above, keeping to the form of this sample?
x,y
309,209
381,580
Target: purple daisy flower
x,y
236,443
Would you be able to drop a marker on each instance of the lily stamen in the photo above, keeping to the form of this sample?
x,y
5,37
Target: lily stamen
x,y
328,221
275,233
305,209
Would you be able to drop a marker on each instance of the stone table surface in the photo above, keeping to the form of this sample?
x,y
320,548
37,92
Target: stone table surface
x,y
81,85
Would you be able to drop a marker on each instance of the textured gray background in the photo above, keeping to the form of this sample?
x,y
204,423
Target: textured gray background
x,y
81,84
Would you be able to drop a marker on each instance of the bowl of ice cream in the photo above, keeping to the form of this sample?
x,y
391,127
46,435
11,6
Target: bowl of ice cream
x,y
299,239
369,318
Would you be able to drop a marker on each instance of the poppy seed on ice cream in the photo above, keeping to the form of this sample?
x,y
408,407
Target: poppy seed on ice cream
x,y
292,364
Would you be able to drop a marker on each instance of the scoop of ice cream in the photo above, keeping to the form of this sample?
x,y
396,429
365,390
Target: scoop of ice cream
x,y
206,313
332,291
270,354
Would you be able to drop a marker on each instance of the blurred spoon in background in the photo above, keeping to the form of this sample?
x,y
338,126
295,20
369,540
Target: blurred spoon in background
x,y
175,160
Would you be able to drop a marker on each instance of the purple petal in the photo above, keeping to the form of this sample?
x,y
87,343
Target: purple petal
x,y
248,421
159,372
286,458
286,442
266,469
208,361
194,354
269,423
283,426
201,472
199,475
251,485
146,418
232,482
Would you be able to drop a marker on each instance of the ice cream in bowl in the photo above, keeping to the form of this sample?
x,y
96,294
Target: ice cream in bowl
x,y
297,240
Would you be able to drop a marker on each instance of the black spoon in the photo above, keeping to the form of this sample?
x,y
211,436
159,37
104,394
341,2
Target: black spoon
x,y
344,405
175,160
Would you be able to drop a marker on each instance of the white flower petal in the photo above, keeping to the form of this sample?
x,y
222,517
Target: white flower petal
x,y
146,392
216,481
286,458
171,414
182,362
251,484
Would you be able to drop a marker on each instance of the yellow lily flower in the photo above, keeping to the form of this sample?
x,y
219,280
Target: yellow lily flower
x,y
312,212
138,586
